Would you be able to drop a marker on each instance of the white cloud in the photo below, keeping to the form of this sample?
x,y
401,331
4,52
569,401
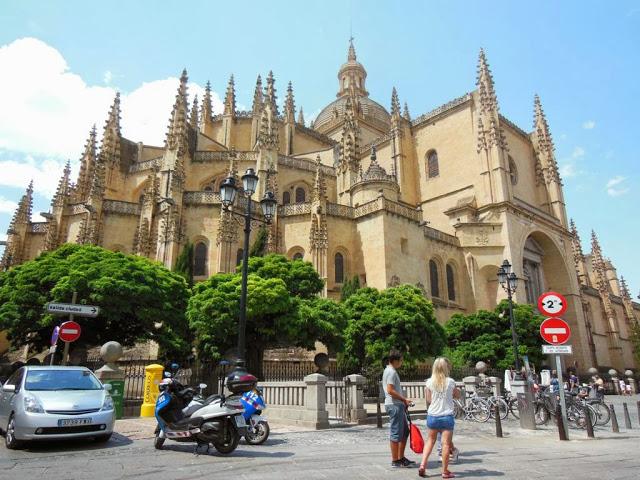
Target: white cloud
x,y
589,125
578,152
47,112
7,206
615,186
3,237
568,170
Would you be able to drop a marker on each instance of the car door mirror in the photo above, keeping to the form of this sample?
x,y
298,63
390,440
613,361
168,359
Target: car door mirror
x,y
107,387
9,389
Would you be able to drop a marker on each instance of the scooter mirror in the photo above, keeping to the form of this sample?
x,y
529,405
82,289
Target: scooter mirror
x,y
175,366
202,386
167,374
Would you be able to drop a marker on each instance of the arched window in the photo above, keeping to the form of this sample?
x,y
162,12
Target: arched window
x,y
300,195
513,171
432,164
286,198
433,279
451,284
209,188
239,255
338,265
298,256
200,260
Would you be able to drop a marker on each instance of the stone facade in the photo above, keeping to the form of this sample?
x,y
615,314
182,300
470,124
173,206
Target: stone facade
x,y
437,201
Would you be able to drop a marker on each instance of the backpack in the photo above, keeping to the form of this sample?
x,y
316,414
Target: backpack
x,y
416,441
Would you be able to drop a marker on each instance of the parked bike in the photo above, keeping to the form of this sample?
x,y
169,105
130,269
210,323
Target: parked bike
x,y
257,425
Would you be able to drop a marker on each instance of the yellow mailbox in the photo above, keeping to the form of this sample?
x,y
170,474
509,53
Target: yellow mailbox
x,y
152,378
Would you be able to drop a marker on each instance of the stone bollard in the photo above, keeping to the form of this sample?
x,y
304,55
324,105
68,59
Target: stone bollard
x,y
588,423
526,403
562,428
496,386
496,408
111,374
357,412
470,384
627,418
152,378
614,420
315,402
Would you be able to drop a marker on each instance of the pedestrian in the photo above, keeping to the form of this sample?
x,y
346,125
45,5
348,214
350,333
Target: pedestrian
x,y
599,384
627,388
440,392
623,387
555,384
395,403
453,456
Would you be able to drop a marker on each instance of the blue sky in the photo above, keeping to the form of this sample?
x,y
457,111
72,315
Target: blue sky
x,y
61,62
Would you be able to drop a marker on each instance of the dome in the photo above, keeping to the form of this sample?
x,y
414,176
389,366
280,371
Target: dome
x,y
370,110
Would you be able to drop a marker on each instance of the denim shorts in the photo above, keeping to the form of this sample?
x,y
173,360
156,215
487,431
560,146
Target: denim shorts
x,y
445,422
398,426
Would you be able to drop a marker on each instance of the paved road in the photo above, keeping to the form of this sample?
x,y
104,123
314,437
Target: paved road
x,y
347,453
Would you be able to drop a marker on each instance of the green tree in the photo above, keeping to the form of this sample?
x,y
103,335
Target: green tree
x,y
635,340
138,299
349,288
282,310
259,246
398,317
486,335
184,263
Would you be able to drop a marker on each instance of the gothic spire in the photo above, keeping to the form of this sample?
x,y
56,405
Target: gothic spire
x,y
395,103
257,96
624,289
351,56
597,260
290,105
177,132
25,207
230,98
206,114
110,148
319,187
87,164
484,81
541,127
63,187
300,117
270,94
576,237
349,145
194,121
405,113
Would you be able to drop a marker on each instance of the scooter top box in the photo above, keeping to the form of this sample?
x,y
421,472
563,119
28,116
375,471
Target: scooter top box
x,y
241,382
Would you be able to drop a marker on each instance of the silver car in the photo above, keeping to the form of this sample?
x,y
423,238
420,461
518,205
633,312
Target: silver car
x,y
51,403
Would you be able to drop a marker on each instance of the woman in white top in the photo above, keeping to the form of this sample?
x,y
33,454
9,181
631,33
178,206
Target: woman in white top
x,y
440,392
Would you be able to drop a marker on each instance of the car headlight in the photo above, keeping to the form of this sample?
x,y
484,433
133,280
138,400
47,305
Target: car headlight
x,y
107,404
32,405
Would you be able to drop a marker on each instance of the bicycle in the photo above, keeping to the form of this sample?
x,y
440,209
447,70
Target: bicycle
x,y
474,408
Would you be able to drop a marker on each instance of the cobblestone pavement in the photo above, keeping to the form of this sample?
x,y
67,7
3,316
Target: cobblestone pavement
x,y
340,453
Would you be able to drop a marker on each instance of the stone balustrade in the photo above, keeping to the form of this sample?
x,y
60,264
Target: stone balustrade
x,y
121,208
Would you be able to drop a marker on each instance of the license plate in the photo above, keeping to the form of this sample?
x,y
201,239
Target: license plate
x,y
240,421
73,422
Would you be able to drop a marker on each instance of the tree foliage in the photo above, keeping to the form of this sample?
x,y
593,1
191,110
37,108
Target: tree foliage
x,y
138,299
486,336
349,287
184,263
635,340
282,310
398,317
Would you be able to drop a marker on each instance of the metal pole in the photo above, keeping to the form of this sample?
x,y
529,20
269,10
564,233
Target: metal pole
x,y
496,409
65,355
627,418
514,335
614,420
243,295
563,405
588,425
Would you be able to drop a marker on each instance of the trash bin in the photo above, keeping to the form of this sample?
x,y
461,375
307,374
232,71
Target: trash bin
x,y
117,394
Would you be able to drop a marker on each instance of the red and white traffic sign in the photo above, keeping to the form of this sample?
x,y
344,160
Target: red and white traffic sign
x,y
555,331
69,331
552,304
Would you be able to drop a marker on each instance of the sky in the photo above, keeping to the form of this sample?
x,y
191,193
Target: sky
x,y
62,61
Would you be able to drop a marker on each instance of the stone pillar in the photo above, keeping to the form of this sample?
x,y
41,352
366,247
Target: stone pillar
x,y
496,386
470,385
526,406
111,374
614,378
357,412
632,381
315,401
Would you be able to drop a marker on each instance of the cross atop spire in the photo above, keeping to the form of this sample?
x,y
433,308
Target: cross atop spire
x,y
351,56
230,98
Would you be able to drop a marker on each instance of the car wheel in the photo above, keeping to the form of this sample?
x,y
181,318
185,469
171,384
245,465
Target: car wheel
x,y
10,435
103,438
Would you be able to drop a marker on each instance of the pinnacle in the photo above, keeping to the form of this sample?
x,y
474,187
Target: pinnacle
x,y
230,98
395,102
301,117
406,114
351,56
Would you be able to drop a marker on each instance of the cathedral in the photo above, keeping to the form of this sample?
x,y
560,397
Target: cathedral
x,y
437,201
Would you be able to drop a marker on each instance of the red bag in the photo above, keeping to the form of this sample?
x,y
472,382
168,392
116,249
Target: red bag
x,y
415,437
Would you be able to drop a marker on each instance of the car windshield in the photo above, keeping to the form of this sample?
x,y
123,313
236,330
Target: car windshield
x,y
61,380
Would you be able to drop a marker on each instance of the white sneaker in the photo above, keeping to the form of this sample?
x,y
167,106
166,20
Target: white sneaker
x,y
454,455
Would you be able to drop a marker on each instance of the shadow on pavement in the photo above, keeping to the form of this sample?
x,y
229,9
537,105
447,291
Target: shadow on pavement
x,y
269,442
76,445
240,452
480,472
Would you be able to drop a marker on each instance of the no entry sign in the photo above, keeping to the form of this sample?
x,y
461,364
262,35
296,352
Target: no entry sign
x,y
555,331
69,331
552,304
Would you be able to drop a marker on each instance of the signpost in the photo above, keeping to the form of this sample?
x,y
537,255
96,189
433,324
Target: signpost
x,y
69,331
556,331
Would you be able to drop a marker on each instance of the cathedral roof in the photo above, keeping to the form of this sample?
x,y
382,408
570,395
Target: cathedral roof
x,y
370,109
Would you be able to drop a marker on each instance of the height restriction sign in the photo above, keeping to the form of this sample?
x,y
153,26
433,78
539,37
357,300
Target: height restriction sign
x,y
552,304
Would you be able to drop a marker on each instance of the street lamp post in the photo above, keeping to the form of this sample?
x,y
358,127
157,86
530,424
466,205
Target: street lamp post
x,y
509,282
228,191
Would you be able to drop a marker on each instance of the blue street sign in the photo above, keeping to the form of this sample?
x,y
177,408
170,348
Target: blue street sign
x,y
54,335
